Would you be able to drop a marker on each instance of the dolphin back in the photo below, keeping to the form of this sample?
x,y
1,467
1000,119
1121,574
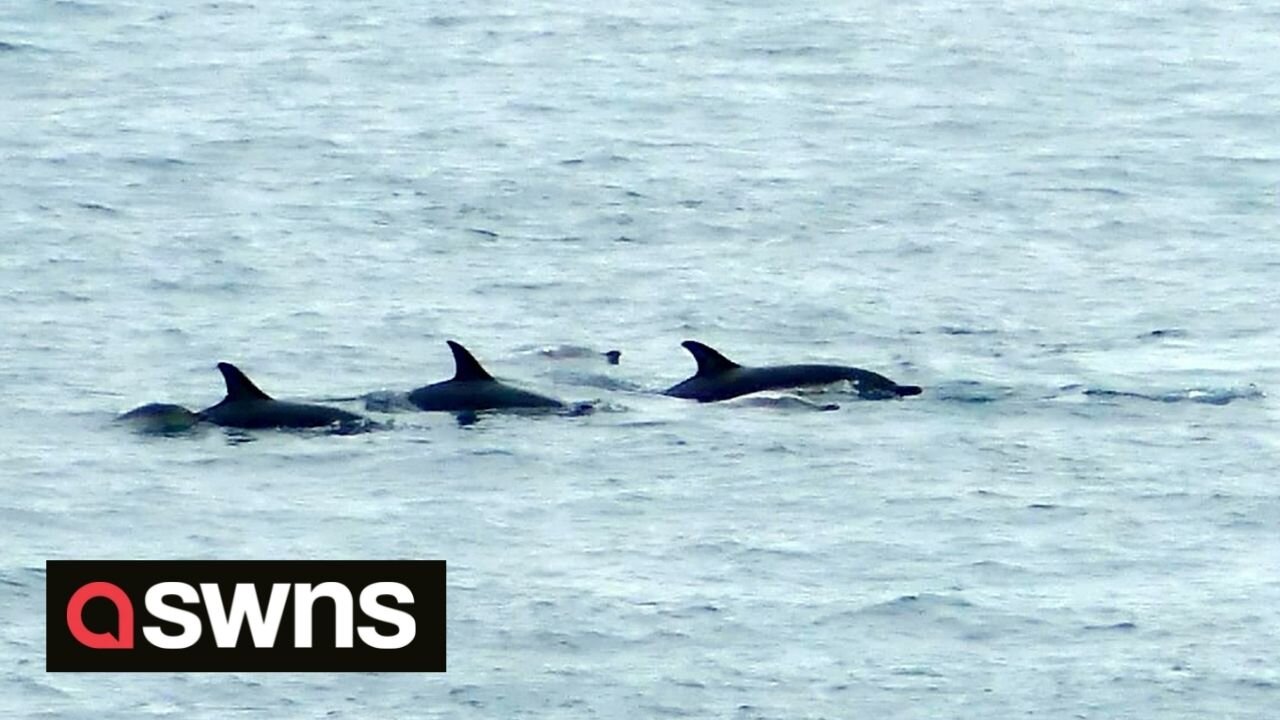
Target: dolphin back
x,y
719,378
159,419
473,388
462,396
265,414
249,408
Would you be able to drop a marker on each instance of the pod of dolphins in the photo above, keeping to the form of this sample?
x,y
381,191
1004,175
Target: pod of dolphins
x,y
472,389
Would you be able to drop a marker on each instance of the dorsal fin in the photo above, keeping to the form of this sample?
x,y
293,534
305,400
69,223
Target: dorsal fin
x,y
239,386
709,361
467,367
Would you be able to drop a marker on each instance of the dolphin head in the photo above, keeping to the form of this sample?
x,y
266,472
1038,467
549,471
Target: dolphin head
x,y
159,419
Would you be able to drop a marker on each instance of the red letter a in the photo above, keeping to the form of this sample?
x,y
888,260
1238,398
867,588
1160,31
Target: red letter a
x,y
123,639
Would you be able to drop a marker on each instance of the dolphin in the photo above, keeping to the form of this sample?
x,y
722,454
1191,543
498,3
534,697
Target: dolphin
x,y
578,352
247,407
719,378
159,419
473,388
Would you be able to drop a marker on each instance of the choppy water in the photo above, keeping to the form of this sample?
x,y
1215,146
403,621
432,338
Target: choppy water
x,y
1059,220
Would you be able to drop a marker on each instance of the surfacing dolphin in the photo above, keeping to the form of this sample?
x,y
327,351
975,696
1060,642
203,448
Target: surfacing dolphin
x,y
247,407
719,378
159,419
577,352
472,388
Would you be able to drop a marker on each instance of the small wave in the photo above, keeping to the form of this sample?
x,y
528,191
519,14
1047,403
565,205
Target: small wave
x,y
34,688
958,330
156,162
970,391
498,288
1087,190
1163,333
388,401
81,7
238,437
15,47
787,403
98,207
1206,396
1120,627
922,604
12,582
915,671
798,51
651,424
998,569
447,21
602,382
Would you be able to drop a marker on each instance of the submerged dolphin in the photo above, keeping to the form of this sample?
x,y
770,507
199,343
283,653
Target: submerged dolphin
x,y
247,407
159,419
719,378
472,388
576,352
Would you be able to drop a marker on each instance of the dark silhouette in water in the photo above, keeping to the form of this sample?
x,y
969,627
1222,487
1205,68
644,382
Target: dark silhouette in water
x,y
159,419
472,388
719,378
247,407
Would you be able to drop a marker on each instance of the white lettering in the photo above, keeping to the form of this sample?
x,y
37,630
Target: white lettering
x,y
304,596
407,628
245,606
190,622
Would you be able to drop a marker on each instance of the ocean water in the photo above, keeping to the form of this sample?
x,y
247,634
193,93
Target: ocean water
x,y
1060,220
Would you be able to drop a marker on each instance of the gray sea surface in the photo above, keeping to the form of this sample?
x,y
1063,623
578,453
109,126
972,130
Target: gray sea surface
x,y
1060,219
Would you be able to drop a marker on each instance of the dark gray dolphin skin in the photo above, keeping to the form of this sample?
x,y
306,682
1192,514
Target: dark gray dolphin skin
x,y
719,378
472,388
159,419
247,407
